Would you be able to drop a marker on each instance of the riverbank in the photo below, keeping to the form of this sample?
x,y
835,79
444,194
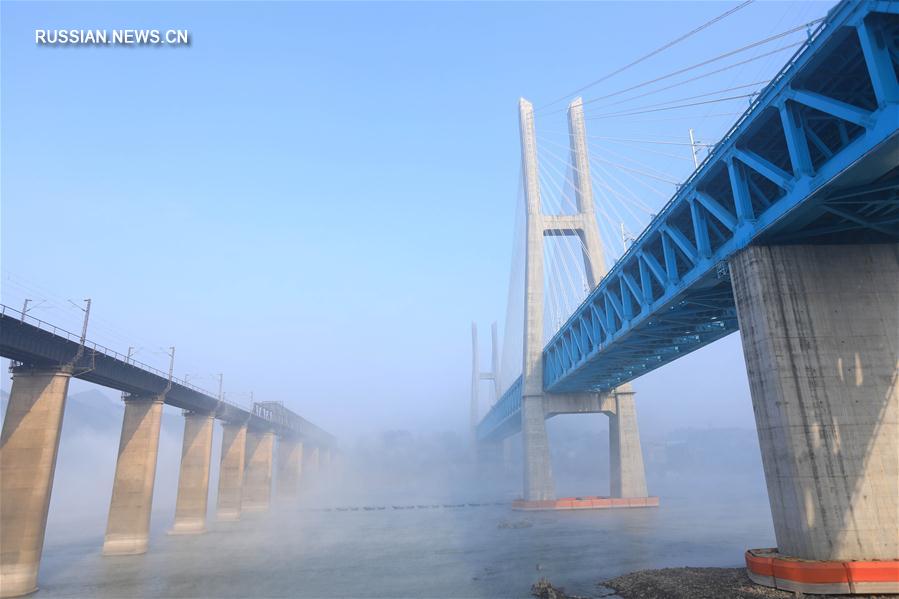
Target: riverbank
x,y
680,583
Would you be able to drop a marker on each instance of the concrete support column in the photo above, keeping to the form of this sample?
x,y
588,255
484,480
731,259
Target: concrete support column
x,y
290,456
311,461
231,471
257,486
538,478
193,481
820,330
28,448
128,528
627,477
593,254
324,462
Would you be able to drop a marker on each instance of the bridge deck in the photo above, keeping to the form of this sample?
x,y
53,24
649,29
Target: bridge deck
x,y
815,159
31,341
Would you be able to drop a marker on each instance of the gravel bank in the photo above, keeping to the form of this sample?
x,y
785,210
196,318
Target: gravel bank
x,y
684,583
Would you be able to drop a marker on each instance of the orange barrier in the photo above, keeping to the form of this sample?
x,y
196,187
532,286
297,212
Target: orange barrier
x,y
585,503
768,567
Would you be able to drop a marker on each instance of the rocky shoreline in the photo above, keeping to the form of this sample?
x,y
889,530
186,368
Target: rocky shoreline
x,y
681,583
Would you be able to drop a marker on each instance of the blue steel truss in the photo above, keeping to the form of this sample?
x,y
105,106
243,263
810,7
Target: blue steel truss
x,y
815,159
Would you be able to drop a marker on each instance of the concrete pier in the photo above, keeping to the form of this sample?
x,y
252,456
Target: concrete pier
x,y
627,477
311,461
28,448
290,457
257,486
231,471
193,481
128,528
820,330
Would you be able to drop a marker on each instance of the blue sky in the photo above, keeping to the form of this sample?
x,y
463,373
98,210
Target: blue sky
x,y
317,199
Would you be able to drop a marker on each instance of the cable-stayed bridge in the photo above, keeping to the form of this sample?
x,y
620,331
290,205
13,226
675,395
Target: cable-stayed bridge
x,y
787,230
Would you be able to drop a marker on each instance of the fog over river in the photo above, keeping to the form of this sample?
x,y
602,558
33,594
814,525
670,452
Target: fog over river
x,y
713,507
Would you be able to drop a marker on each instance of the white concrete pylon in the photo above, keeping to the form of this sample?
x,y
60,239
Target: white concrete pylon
x,y
592,249
536,405
538,481
478,375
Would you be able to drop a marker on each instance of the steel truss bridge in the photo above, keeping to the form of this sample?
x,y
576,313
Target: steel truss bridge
x,y
815,159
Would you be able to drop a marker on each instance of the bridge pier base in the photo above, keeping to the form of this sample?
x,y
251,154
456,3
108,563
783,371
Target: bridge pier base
x,y
820,330
627,477
28,448
257,489
193,480
128,527
290,456
231,471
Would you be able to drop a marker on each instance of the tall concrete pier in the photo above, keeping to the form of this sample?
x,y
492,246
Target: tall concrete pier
x,y
627,477
290,457
128,528
820,330
28,448
257,486
311,461
193,481
231,471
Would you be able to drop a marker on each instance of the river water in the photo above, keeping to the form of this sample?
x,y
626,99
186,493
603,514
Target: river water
x,y
306,551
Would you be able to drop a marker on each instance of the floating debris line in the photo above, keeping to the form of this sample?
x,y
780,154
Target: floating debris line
x,y
372,508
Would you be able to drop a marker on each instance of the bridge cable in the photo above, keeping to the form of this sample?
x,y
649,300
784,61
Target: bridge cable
x,y
658,50
554,268
561,263
580,291
637,219
759,85
620,219
654,175
572,205
802,27
643,206
583,249
617,114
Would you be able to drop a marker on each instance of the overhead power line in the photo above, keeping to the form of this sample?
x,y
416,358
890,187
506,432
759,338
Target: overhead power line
x,y
653,53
